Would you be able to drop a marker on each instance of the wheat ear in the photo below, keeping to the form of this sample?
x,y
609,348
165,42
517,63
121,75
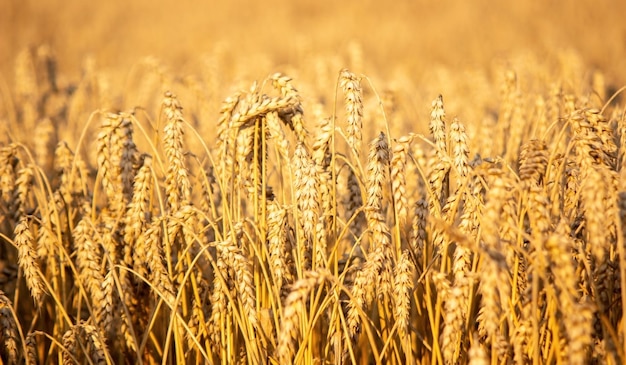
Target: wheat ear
x,y
27,259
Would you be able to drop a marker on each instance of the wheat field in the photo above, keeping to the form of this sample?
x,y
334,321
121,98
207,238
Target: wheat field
x,y
307,192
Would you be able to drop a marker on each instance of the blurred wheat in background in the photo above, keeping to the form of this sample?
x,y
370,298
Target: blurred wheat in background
x,y
312,182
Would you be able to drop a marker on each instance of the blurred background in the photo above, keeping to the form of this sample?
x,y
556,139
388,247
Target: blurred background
x,y
119,55
416,34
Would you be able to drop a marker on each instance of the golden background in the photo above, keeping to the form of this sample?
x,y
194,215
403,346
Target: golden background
x,y
415,34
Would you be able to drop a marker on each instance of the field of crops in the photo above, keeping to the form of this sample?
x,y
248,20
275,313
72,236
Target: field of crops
x,y
312,182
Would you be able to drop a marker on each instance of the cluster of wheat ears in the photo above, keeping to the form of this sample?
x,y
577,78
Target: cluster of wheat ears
x,y
273,236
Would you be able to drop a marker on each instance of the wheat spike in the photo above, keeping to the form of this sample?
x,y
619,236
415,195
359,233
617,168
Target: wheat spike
x,y
398,179
351,87
403,287
27,259
307,197
244,283
460,149
437,127
8,329
279,243
177,178
533,161
8,164
295,303
88,258
23,186
154,261
31,349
